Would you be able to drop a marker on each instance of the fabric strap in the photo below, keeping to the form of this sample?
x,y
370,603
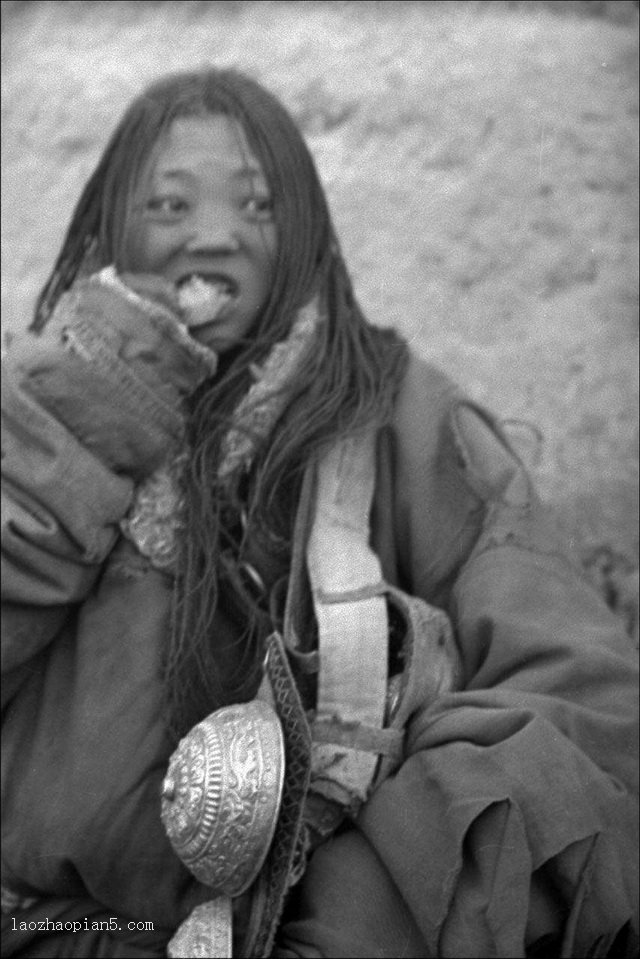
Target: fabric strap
x,y
351,614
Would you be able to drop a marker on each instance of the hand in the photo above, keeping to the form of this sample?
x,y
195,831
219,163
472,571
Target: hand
x,y
143,323
115,366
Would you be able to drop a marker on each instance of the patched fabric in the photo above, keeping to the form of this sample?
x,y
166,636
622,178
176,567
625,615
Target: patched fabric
x,y
491,467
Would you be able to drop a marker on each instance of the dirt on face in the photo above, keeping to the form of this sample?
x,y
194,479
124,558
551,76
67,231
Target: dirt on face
x,y
481,164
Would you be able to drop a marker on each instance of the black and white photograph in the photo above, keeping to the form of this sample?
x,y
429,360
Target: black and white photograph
x,y
320,614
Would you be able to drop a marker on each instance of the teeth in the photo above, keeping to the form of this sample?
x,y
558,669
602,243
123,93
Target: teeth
x,y
201,300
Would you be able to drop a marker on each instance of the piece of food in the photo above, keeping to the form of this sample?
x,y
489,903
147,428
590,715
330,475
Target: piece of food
x,y
201,301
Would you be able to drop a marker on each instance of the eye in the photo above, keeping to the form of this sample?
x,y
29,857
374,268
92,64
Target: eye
x,y
259,207
166,207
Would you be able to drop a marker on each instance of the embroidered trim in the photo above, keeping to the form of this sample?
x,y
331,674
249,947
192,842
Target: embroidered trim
x,y
156,515
258,411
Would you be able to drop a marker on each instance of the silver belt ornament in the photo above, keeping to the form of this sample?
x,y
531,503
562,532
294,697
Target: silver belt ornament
x,y
220,802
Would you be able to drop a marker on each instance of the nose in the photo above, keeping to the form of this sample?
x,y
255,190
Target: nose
x,y
214,231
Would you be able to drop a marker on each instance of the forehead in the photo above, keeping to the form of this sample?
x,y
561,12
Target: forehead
x,y
214,145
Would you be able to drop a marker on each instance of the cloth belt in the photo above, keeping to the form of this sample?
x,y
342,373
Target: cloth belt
x,y
350,606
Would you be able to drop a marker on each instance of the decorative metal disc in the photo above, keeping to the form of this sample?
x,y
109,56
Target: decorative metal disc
x,y
222,793
207,933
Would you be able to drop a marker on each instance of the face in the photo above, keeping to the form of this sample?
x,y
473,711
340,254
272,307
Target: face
x,y
204,208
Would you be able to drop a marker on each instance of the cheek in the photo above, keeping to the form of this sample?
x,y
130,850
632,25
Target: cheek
x,y
152,247
137,248
271,244
266,256
148,248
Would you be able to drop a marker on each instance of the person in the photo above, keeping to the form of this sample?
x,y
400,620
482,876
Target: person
x,y
197,367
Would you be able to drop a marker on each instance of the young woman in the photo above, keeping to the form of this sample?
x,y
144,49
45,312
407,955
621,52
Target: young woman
x,y
208,450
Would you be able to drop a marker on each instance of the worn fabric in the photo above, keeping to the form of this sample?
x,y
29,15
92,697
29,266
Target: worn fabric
x,y
512,820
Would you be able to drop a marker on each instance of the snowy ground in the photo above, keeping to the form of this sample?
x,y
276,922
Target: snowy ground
x,y
481,162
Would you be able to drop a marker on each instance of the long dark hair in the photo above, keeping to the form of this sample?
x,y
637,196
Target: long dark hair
x,y
346,382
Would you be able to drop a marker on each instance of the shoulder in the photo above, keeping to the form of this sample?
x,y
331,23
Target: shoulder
x,y
435,419
425,383
424,404
449,462
427,517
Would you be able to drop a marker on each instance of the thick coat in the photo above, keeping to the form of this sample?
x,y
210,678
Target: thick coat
x,y
513,818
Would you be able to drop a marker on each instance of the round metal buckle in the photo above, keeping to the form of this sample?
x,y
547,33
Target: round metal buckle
x,y
222,792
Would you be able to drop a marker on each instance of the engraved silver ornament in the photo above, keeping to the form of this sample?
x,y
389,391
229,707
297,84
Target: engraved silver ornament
x,y
222,792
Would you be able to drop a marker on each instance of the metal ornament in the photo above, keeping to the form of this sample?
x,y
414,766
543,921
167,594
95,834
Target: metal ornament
x,y
206,934
222,792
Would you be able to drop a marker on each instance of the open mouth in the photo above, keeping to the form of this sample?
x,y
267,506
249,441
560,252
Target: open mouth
x,y
203,296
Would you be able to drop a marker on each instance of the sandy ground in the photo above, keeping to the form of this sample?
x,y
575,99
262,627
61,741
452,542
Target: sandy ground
x,y
481,162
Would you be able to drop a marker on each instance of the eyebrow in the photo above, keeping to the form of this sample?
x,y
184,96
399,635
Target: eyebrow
x,y
245,173
248,172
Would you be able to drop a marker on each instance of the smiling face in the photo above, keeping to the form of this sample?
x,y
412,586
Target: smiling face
x,y
203,208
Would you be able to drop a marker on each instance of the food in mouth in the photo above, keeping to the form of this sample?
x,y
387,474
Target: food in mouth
x,y
202,300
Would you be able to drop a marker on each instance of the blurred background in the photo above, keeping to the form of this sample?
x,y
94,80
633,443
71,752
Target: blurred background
x,y
481,161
